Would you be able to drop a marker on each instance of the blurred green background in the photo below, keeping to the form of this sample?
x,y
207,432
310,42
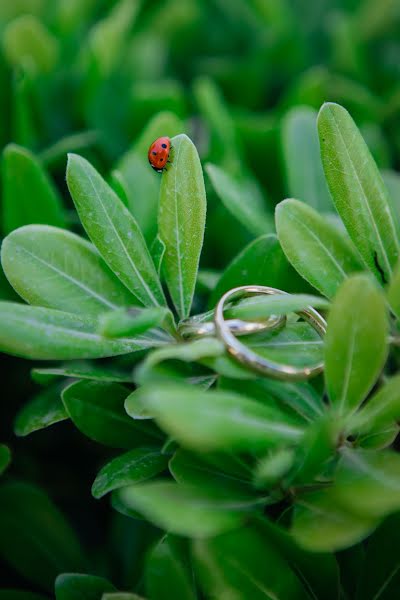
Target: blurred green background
x,y
244,79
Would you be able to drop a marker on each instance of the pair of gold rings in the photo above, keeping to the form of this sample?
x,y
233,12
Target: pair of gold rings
x,y
228,330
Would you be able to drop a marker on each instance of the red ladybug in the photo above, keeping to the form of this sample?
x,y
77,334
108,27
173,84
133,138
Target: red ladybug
x,y
158,153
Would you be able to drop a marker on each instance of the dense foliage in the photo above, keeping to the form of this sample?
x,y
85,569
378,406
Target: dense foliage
x,y
135,456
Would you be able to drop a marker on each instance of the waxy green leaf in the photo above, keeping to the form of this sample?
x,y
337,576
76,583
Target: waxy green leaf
x,y
358,191
45,409
131,322
314,246
181,222
97,409
57,269
47,334
114,231
28,194
134,466
262,262
355,342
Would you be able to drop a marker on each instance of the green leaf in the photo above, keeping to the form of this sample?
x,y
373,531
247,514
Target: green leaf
x,y
243,564
46,334
114,231
262,262
302,159
275,304
224,141
219,470
357,190
38,543
26,38
315,449
319,572
74,586
5,457
236,198
28,194
80,371
301,397
43,410
380,574
130,322
315,247
391,180
393,292
320,524
134,466
367,483
168,571
355,343
181,222
380,410
193,351
216,420
186,510
272,468
57,269
97,410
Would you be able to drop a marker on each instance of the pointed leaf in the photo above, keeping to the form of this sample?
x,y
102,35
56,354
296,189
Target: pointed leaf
x,y
114,231
380,410
355,342
57,269
315,247
357,190
181,222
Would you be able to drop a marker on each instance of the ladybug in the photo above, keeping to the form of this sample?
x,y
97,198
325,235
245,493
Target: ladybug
x,y
159,153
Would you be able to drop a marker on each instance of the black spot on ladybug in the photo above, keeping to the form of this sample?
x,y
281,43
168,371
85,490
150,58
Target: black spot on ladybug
x,y
154,153
161,159
163,145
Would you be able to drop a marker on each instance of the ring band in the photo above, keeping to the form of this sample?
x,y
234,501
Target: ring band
x,y
190,328
248,357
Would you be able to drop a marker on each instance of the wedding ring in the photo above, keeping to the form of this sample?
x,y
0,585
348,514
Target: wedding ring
x,y
247,357
195,328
